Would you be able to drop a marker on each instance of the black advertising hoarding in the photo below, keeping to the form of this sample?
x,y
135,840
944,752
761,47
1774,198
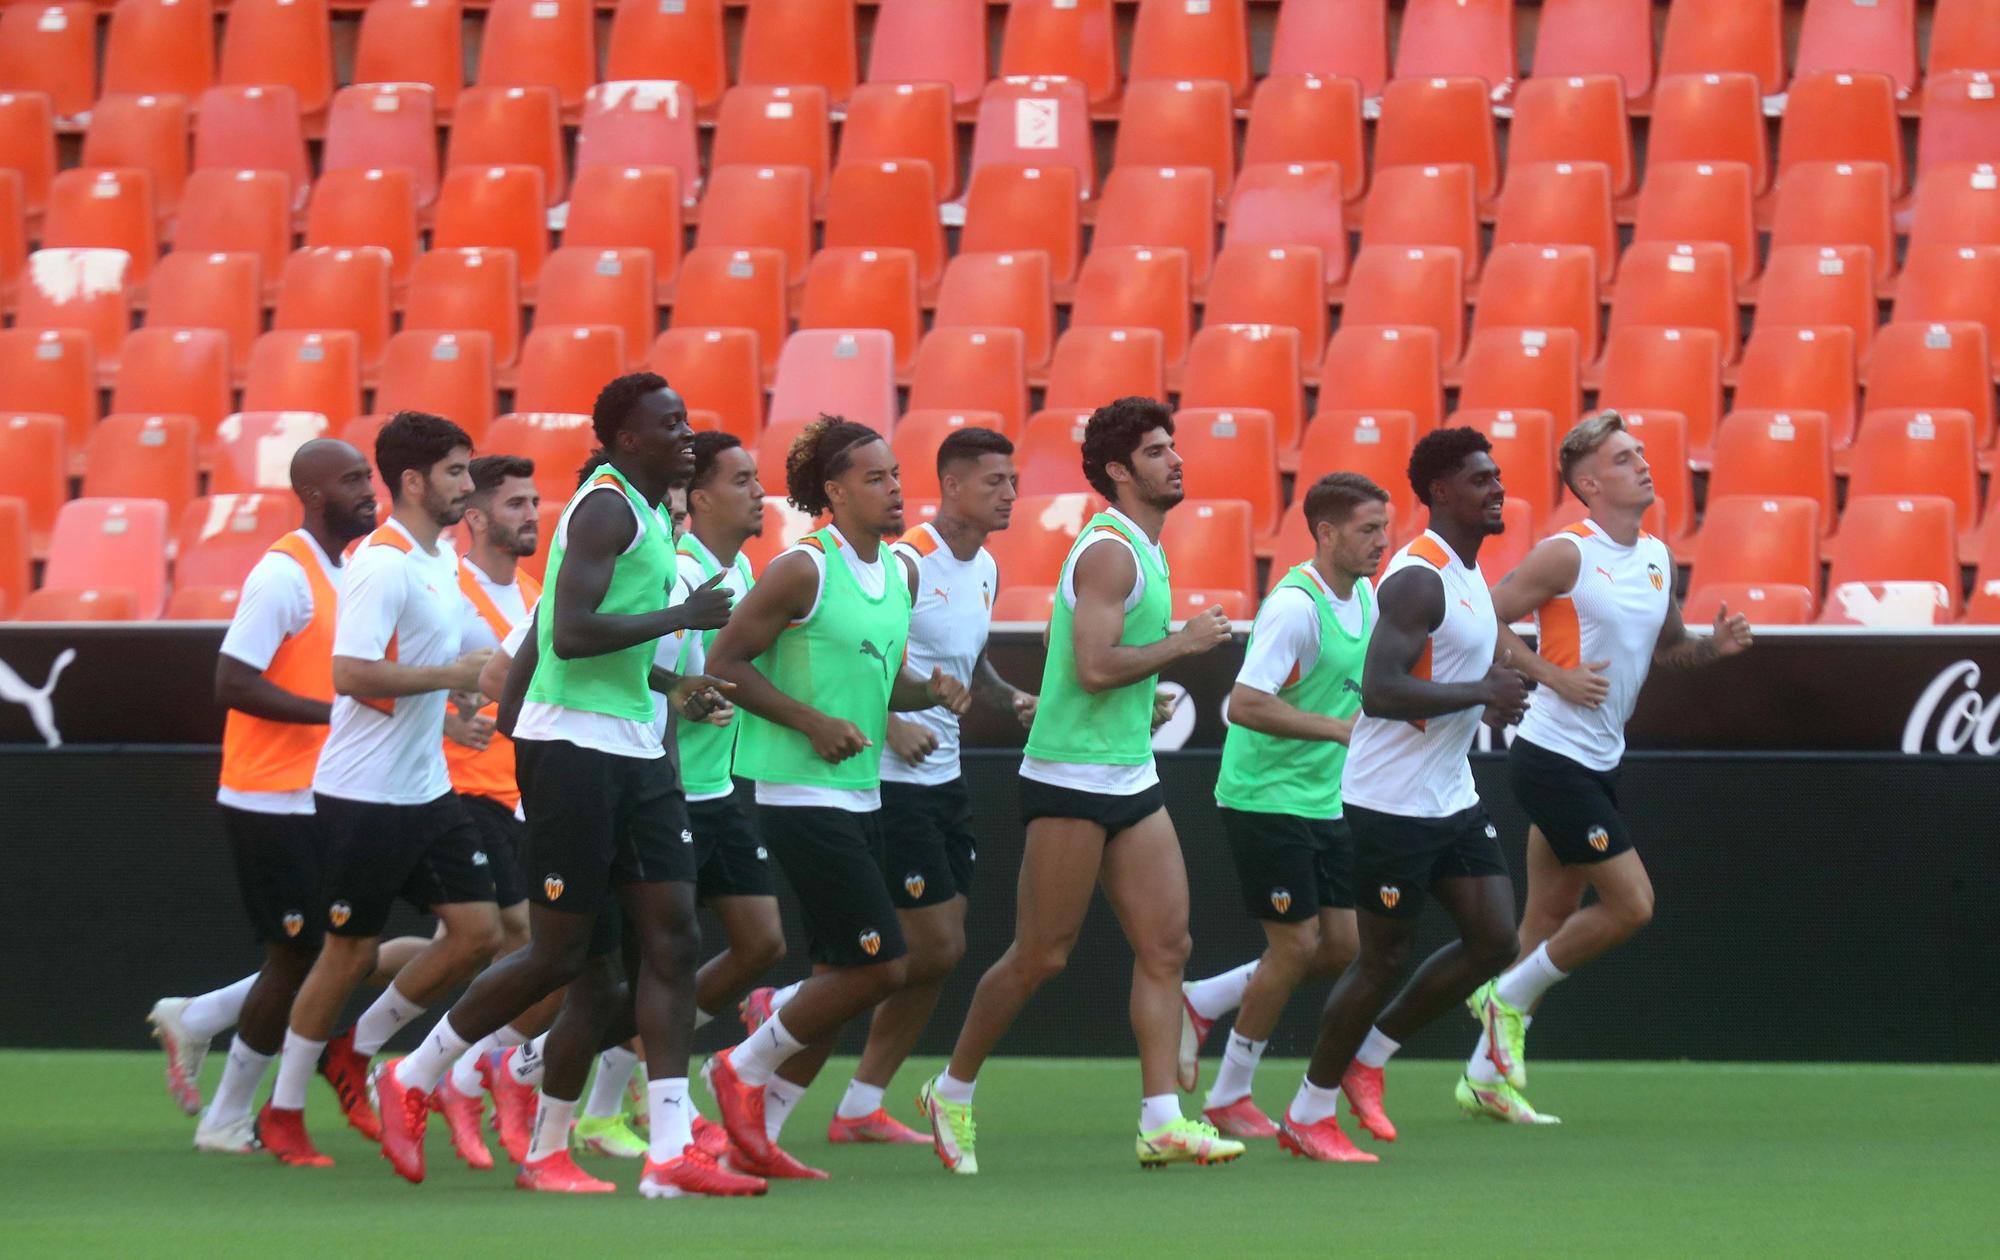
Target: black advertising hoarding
x,y
1797,691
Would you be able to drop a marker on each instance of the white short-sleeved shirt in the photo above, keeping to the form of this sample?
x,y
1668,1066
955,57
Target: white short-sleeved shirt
x,y
951,613
408,599
1100,779
276,602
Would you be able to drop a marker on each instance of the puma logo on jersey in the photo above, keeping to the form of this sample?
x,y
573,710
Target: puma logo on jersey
x,y
1606,572
1349,684
868,648
1466,604
941,593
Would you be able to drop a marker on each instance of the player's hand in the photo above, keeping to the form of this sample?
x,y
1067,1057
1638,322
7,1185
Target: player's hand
x,y
1025,704
835,740
910,740
708,605
695,696
475,731
1164,703
468,702
721,714
1204,631
1506,692
948,691
1585,686
1732,634
464,672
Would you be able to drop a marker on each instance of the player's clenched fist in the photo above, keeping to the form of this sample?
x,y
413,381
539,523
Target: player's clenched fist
x,y
834,740
1205,631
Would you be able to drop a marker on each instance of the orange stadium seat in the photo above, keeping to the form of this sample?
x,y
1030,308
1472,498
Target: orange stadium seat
x,y
784,525
1172,39
1710,118
254,449
510,126
1932,366
602,286
305,371
888,205
105,209
1306,119
849,287
1524,445
1094,365
558,442
1209,545
499,207
1701,201
1231,452
1032,551
1666,369
1383,368
1901,451
385,125
1958,203
1768,454
1133,287
215,291
1265,284
1758,540
51,48
1541,286
773,445
1678,285
1576,118
50,371
1952,282
1961,120
1764,604
548,42
973,369
1522,368
562,368
919,434
1179,123
356,208
1292,204
245,212
1036,122
84,289
1346,39
1837,203
1070,39
801,42
445,373
160,46
280,42
903,122
628,207
406,42
1965,35
1842,117
1459,37
325,287
28,145
1011,209
629,123
760,207
34,468
845,372
1888,541
1426,206
775,126
90,603
1814,285
147,132
1560,203
253,128
13,235
1166,208
918,41
1376,444
718,370
682,42
13,554
1665,436
1395,284
176,371
736,288
135,455
1439,122
1248,366
1878,37
1050,454
1002,290
1801,369
1034,604
1577,37
1739,36
202,603
456,290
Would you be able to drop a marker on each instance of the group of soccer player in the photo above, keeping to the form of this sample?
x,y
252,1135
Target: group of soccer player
x,y
551,770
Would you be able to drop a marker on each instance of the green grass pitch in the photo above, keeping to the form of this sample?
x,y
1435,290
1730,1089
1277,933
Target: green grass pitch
x,y
1653,1159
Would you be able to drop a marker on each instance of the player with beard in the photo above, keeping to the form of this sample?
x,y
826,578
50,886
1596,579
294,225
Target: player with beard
x,y
1411,804
1091,794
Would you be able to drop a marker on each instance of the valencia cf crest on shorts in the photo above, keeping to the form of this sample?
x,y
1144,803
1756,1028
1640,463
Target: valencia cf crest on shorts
x,y
1599,838
913,884
552,887
871,942
294,923
339,913
1281,899
1390,895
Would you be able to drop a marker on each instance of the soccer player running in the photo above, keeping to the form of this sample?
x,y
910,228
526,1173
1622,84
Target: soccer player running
x,y
606,822
275,676
816,651
1602,595
1291,714
1090,793
393,828
1411,804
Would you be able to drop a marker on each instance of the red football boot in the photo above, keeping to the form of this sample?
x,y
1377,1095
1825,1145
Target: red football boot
x,y
742,1108
463,1115
779,1167
756,1008
694,1172
346,1069
406,1114
513,1105
1241,1119
1322,1141
283,1133
558,1174
711,1137
878,1126
1363,1088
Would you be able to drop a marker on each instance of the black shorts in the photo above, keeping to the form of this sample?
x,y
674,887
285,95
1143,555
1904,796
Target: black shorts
x,y
1575,807
1113,813
930,849
279,862
1397,858
1291,868
501,836
833,858
729,859
427,854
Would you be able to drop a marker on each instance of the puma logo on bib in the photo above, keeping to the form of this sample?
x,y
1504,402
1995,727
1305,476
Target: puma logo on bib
x,y
868,648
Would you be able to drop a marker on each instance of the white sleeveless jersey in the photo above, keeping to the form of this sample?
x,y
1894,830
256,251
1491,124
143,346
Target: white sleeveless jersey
x,y
1613,613
950,615
1419,769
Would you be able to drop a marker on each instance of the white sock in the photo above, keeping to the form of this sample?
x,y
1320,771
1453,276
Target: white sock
x,y
785,995
672,1117
1523,985
780,1096
1218,995
552,1120
465,1069
509,1036
296,1063
1160,1109
1377,1050
240,1078
953,1090
1480,1068
607,1092
425,1066
526,1065
702,1018
383,1020
763,1052
860,1100
1313,1104
216,1011
1239,1065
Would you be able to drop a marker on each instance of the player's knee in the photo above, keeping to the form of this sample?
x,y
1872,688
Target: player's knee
x,y
889,977
673,951
1492,952
1166,953
1634,911
476,943
1043,961
1295,950
1382,964
762,951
